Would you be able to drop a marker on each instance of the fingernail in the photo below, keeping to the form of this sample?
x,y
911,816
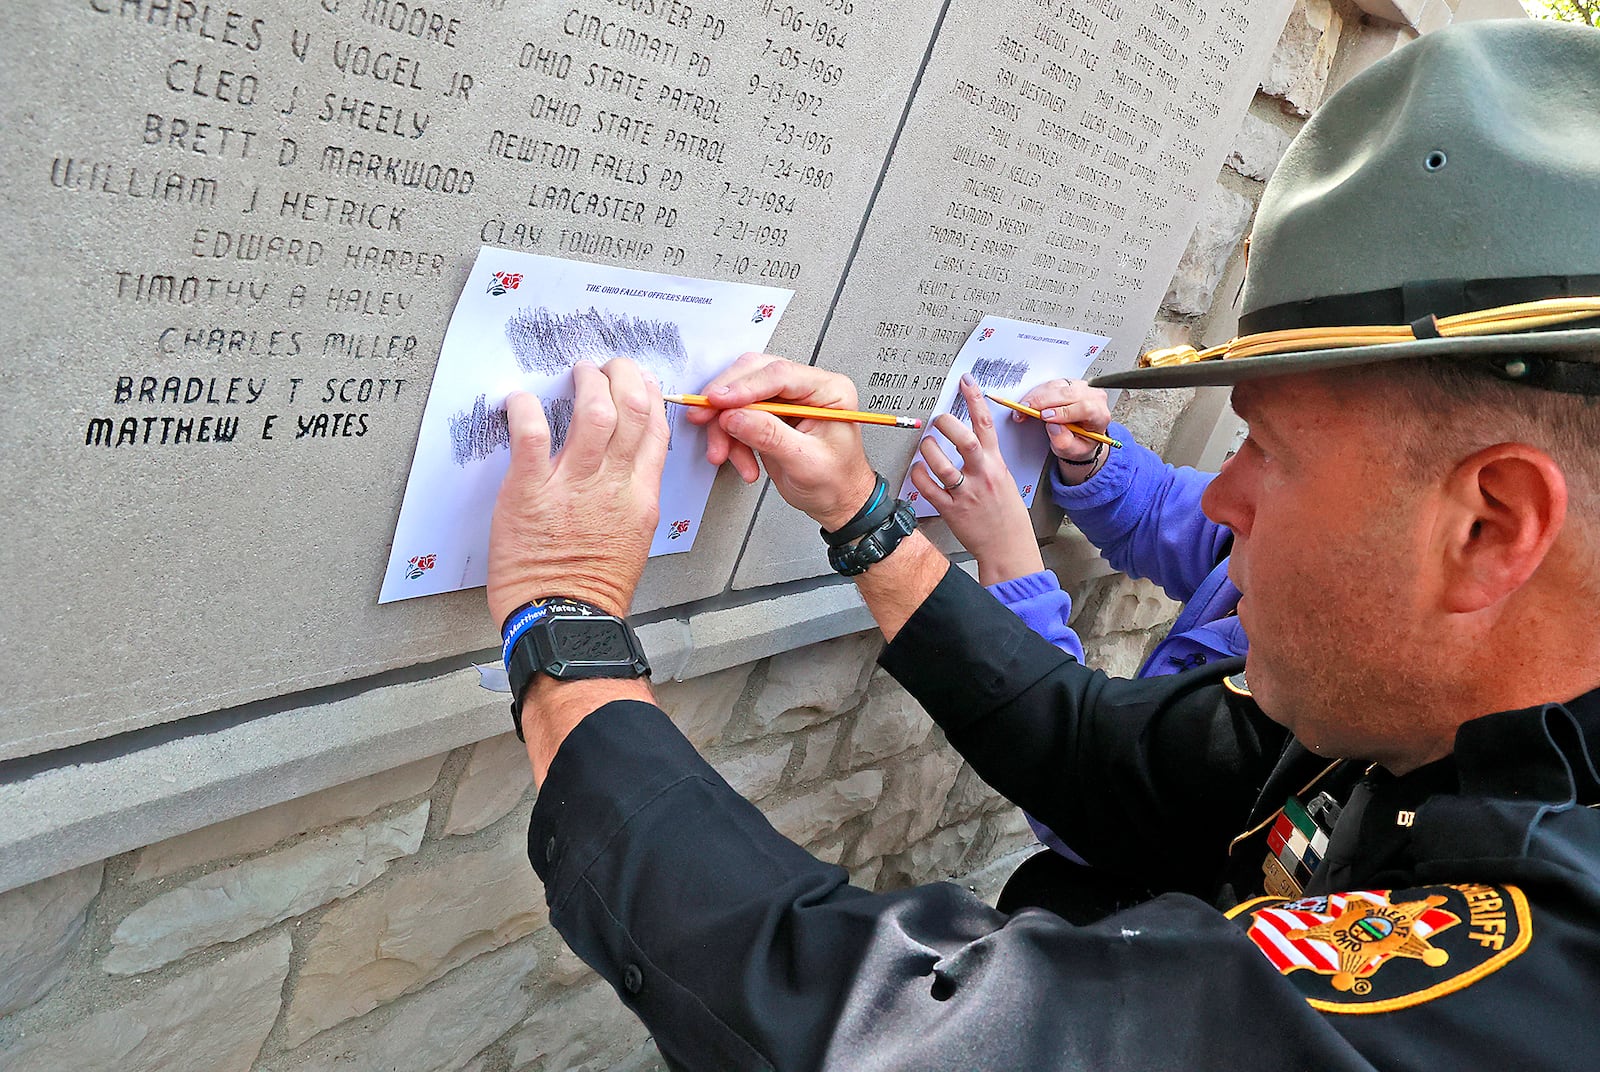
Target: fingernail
x,y
721,389
587,361
650,378
1047,414
967,380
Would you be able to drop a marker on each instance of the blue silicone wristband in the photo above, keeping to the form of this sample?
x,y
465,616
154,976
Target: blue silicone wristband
x,y
520,622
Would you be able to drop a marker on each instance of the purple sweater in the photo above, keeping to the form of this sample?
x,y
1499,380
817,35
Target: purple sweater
x,y
1144,515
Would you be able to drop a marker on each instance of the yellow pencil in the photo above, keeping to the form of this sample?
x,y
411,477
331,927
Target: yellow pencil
x,y
819,413
1029,411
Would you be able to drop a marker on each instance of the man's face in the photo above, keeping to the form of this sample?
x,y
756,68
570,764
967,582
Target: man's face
x,y
1329,538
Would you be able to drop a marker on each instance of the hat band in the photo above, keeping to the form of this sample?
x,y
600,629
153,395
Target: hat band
x,y
1418,300
1503,320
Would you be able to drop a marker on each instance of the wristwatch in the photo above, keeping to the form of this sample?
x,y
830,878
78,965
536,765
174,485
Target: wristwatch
x,y
875,546
568,640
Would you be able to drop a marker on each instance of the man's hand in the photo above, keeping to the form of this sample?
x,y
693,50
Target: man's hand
x,y
819,467
1070,402
979,501
579,524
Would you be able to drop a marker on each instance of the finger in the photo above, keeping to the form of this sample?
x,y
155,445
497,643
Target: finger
x,y
929,487
1050,393
1084,413
652,449
1087,407
765,434
982,415
1065,444
775,378
530,439
721,447
631,400
718,442
594,419
641,438
740,456
1061,437
938,462
742,366
964,439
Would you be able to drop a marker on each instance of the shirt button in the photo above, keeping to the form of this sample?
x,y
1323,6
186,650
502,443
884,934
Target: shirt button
x,y
550,850
632,978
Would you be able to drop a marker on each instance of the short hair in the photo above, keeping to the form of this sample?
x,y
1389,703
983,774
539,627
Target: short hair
x,y
1473,403
1446,408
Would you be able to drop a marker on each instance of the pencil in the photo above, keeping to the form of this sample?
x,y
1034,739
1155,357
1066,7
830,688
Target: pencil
x,y
819,413
1029,411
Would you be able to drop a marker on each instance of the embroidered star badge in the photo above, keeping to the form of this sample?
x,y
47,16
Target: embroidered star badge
x,y
1367,933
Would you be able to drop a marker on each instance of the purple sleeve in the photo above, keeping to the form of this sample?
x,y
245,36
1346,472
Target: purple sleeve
x,y
1043,607
1144,515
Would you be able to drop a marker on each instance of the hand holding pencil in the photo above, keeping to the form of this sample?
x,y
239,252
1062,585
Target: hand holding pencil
x,y
1029,411
1069,409
817,465
816,413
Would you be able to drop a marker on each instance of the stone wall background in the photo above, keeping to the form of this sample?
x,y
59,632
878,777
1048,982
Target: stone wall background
x,y
393,923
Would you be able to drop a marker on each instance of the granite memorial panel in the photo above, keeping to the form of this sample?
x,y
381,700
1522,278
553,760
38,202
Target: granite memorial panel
x,y
1052,168
236,229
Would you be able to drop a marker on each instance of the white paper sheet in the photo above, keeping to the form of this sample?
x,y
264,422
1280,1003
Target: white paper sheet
x,y
1009,358
521,323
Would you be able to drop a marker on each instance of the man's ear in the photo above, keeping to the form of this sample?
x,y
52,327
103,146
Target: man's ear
x,y
1504,507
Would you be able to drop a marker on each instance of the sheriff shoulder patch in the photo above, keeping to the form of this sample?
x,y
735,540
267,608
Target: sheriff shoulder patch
x,y
1379,950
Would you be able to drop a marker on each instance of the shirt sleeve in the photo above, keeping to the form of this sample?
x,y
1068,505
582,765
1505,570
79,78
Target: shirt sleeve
x,y
1043,606
1144,515
738,950
1152,777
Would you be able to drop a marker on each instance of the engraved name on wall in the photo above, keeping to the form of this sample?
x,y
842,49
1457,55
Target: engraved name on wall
x,y
238,229
1052,169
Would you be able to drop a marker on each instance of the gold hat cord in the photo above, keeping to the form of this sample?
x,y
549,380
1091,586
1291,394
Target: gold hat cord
x,y
1504,320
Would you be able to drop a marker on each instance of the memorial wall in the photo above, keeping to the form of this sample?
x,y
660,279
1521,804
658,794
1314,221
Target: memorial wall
x,y
1053,165
237,230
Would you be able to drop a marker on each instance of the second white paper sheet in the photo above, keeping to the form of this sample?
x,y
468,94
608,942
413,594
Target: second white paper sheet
x,y
521,323
1009,358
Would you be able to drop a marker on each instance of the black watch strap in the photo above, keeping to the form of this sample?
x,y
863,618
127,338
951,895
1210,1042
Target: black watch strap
x,y
876,545
569,640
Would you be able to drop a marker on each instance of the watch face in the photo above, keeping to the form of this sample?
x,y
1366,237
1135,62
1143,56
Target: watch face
x,y
576,640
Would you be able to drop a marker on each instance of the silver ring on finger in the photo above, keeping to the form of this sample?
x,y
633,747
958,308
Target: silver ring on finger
x,y
961,478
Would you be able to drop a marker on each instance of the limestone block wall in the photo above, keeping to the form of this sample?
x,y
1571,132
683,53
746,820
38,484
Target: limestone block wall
x,y
393,922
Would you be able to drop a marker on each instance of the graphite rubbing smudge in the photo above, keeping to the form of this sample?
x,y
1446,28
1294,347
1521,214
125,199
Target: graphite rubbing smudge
x,y
551,343
558,415
478,434
990,374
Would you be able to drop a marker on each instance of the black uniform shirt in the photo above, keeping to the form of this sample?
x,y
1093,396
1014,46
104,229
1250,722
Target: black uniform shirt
x,y
1464,933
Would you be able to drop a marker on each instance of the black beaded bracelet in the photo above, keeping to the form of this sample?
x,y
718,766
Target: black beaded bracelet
x,y
878,509
1099,448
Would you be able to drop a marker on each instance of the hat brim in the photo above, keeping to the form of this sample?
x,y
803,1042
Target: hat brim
x,y
1225,372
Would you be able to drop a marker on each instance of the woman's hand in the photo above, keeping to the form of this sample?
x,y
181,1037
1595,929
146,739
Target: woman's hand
x,y
979,500
1066,402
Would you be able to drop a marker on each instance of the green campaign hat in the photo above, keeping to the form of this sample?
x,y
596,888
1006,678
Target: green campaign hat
x,y
1445,202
